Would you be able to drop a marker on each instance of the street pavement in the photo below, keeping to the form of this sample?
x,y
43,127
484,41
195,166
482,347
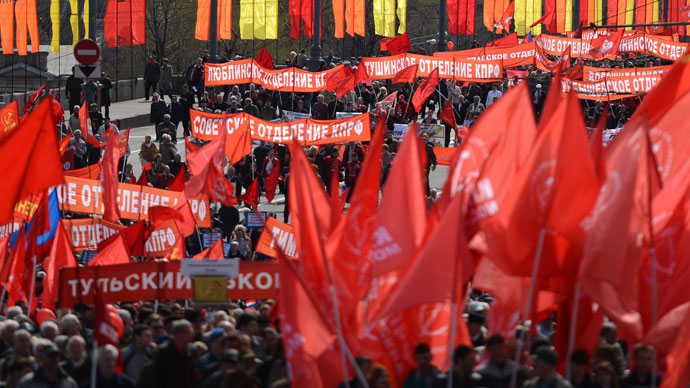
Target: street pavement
x,y
136,137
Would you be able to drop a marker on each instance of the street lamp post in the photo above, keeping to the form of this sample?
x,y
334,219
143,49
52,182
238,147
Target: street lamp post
x,y
441,44
314,61
213,33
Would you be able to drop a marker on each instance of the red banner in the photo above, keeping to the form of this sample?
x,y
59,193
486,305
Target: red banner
x,y
611,89
277,235
158,280
85,196
89,172
456,68
511,56
207,126
247,71
598,73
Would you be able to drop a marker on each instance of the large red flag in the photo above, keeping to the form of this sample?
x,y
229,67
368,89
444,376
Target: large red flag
x,y
160,214
61,256
404,193
549,192
206,165
33,98
677,360
115,252
295,11
508,16
461,16
271,182
606,45
215,251
408,74
86,128
334,78
610,265
109,181
134,237
264,59
425,90
105,328
396,45
177,184
32,152
344,86
361,75
548,20
509,295
187,225
16,284
125,19
447,115
509,40
189,146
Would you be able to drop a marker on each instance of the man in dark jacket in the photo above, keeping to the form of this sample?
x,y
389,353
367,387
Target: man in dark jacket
x,y
73,91
430,159
463,362
48,373
158,109
152,73
107,376
187,102
172,365
105,85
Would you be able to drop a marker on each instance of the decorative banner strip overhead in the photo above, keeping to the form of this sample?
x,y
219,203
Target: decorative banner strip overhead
x,y
225,19
55,23
207,126
258,19
493,11
125,19
74,20
295,12
384,17
7,26
355,17
461,18
339,18
203,17
27,20
402,16
526,13
153,280
85,17
84,196
611,89
598,73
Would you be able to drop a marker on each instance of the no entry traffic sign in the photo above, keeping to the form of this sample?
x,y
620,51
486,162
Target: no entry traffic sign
x,y
87,52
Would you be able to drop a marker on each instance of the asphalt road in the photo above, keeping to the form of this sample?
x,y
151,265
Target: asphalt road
x,y
136,138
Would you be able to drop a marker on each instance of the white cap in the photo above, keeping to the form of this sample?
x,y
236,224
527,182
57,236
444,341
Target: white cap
x,y
538,86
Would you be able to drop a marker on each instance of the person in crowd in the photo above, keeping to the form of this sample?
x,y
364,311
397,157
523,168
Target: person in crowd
x,y
105,85
352,169
378,377
250,108
165,78
175,111
464,358
48,373
248,324
187,102
77,363
74,121
167,150
172,366
196,80
403,110
580,377
158,109
90,92
21,348
167,127
268,111
107,126
365,365
78,144
497,371
73,92
333,167
605,376
152,73
426,373
240,236
641,375
320,108
493,95
107,375
234,252
538,99
95,116
545,363
148,151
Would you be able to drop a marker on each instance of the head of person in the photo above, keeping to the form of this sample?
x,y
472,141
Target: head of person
x,y
247,101
76,348
152,59
183,333
155,321
217,341
47,355
156,96
247,323
229,359
9,326
142,336
496,347
378,377
464,359
545,362
335,153
271,152
605,375
244,342
422,356
166,118
107,360
477,99
18,367
166,138
494,87
300,104
271,339
199,61
320,97
49,330
401,98
355,157
147,139
76,109
609,333
643,357
579,364
195,317
22,342
240,231
164,61
93,107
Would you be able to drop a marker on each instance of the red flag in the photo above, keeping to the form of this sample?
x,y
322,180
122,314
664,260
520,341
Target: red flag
x,y
386,102
344,86
143,179
238,144
105,325
206,165
9,114
596,148
447,115
510,40
109,181
295,11
61,256
508,16
122,141
33,98
425,90
404,193
133,238
187,225
577,34
335,77
336,204
548,20
609,268
86,129
606,45
251,196
177,184
271,182
16,285
160,214
264,59
548,192
408,74
114,252
189,146
461,16
677,360
62,146
215,251
125,19
361,75
32,152
397,45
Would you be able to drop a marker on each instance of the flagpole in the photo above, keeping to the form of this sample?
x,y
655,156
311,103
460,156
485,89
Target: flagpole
x,y
528,305
573,328
94,362
33,284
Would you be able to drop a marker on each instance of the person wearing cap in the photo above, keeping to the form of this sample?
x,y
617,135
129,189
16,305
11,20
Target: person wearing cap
x,y
217,342
95,116
545,363
152,73
105,85
497,371
249,362
158,109
165,79
229,359
538,99
48,373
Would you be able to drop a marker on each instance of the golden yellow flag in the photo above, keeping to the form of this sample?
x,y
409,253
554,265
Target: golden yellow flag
x,y
259,19
402,16
271,19
85,18
389,18
378,17
55,21
74,20
246,19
